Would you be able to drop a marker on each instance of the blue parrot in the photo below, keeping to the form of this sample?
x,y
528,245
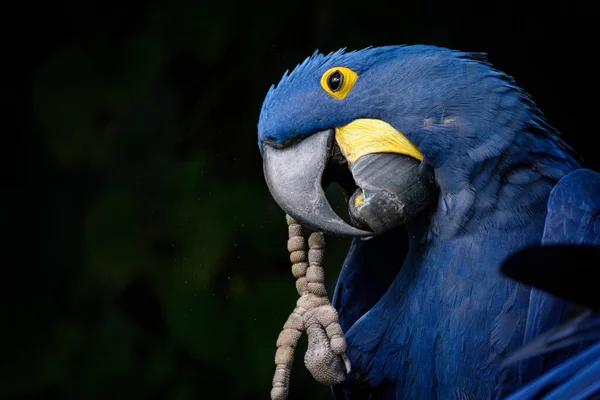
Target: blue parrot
x,y
448,168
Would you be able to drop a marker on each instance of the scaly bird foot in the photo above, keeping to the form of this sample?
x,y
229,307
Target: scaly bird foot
x,y
325,357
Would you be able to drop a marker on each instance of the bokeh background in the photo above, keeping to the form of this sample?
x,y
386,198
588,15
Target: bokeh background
x,y
146,258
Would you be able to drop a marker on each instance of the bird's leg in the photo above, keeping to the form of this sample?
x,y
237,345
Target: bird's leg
x,y
294,326
325,357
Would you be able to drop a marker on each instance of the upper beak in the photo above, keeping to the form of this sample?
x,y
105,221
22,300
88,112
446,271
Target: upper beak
x,y
294,176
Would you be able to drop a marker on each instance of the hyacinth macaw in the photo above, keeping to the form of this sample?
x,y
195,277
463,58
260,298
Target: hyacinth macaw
x,y
437,148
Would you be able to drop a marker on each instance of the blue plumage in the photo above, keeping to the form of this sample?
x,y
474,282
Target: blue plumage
x,y
574,210
573,219
576,378
440,319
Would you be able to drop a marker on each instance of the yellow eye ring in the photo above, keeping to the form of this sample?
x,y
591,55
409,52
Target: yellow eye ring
x,y
338,81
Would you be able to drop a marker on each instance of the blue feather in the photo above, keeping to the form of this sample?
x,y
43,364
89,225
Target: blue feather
x,y
581,329
565,265
576,378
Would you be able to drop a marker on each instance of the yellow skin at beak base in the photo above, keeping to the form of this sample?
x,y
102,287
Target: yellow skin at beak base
x,y
366,136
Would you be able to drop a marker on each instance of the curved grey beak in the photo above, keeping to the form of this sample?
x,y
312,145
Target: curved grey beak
x,y
294,175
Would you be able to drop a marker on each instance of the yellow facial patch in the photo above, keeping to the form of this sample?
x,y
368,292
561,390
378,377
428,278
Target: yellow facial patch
x,y
338,81
366,136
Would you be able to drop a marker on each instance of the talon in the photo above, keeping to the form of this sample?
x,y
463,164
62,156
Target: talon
x,y
347,363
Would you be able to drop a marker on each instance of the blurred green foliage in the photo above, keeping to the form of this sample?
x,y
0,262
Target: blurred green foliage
x,y
154,263
178,280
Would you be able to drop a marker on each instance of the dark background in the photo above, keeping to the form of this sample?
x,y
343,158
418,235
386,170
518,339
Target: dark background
x,y
146,258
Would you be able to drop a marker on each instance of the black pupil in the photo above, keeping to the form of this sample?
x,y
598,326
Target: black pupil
x,y
334,81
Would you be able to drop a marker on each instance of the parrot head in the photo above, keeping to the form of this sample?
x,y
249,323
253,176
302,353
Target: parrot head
x,y
392,125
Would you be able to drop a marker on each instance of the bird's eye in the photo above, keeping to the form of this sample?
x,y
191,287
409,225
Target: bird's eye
x,y
338,81
335,80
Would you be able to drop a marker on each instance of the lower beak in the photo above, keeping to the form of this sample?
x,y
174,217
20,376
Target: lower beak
x,y
387,189
392,189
